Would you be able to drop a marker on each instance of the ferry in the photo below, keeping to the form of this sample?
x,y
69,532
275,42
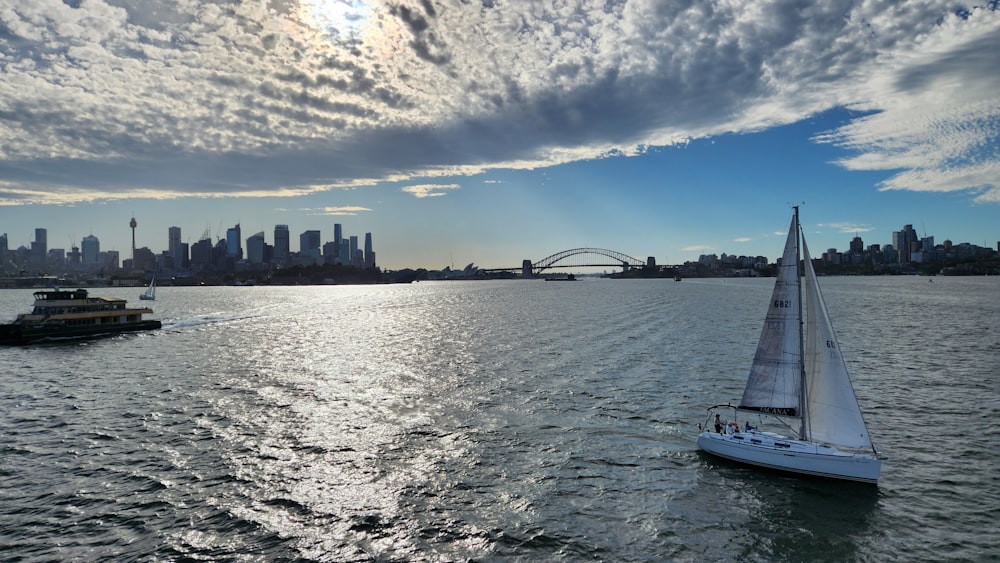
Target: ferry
x,y
71,314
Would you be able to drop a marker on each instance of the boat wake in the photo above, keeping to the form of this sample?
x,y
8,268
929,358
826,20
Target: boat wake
x,y
206,320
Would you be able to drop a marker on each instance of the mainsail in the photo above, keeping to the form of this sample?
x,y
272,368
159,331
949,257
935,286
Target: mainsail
x,y
775,382
832,414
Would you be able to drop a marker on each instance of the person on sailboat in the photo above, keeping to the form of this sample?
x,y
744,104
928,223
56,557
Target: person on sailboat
x,y
718,424
747,427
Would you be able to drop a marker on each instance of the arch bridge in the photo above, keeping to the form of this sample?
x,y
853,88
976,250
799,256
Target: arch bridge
x,y
581,257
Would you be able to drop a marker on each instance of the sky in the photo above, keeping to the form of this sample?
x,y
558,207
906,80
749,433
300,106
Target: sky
x,y
494,131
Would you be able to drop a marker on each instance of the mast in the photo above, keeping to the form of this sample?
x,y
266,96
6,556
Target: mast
x,y
803,407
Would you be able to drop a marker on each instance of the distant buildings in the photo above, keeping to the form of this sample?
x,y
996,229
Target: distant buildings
x,y
906,252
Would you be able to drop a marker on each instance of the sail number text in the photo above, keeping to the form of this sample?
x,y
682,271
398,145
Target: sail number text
x,y
782,303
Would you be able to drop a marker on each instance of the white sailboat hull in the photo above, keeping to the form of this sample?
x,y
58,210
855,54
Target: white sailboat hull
x,y
776,452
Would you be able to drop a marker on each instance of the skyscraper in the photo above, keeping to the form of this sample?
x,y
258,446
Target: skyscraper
x,y
201,255
255,248
338,244
91,248
3,252
369,253
39,249
344,252
175,247
905,242
353,261
309,244
281,247
234,246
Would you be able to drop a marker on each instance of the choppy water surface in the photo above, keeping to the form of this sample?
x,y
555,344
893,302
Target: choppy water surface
x,y
488,420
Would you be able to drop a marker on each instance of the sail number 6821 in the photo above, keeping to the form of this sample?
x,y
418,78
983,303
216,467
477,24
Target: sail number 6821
x,y
782,303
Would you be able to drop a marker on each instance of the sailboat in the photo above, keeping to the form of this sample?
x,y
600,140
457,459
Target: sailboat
x,y
798,376
150,293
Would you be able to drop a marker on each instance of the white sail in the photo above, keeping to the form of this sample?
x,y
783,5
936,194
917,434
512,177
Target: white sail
x,y
775,382
832,412
150,293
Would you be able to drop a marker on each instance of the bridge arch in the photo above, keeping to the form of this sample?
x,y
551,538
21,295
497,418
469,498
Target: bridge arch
x,y
607,258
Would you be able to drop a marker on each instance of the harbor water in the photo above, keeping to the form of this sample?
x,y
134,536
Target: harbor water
x,y
491,420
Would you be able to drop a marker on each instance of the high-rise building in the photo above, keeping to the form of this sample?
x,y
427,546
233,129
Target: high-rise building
x,y
109,259
339,256
344,252
176,248
352,260
56,257
234,245
255,248
309,244
201,255
281,246
74,257
39,249
145,260
330,253
905,242
3,252
369,253
91,248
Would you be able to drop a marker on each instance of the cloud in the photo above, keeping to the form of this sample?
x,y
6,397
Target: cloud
x,y
847,228
105,100
430,190
697,248
936,117
742,239
344,210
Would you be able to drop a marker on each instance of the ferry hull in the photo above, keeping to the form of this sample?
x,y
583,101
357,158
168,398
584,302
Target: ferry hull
x,y
792,456
17,334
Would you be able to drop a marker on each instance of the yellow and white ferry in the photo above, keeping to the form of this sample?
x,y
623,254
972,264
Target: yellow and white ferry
x,y
71,314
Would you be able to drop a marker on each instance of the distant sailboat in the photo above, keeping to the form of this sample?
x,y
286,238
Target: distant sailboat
x,y
150,294
798,373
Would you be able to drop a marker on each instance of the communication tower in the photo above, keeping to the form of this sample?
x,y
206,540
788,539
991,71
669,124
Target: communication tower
x,y
133,224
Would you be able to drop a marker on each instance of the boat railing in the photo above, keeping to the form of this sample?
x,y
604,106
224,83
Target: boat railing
x,y
746,427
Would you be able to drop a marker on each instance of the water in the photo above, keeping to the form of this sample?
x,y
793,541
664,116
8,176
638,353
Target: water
x,y
454,421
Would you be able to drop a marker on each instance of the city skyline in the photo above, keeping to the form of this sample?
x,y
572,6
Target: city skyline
x,y
496,133
312,245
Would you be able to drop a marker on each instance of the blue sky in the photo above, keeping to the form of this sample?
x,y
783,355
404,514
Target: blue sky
x,y
492,132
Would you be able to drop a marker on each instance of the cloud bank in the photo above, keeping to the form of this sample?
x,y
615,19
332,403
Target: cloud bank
x,y
105,99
